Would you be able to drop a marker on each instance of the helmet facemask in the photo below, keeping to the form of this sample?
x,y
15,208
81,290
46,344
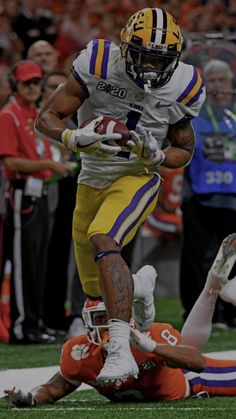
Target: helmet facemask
x,y
151,53
95,320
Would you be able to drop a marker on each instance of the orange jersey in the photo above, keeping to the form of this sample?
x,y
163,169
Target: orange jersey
x,y
81,361
166,219
171,191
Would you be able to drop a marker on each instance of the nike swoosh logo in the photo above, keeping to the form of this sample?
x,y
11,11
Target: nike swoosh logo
x,y
162,105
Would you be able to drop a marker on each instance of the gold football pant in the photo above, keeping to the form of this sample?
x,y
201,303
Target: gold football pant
x,y
116,211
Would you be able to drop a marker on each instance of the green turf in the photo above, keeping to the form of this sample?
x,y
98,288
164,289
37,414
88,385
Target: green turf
x,y
169,310
89,404
30,356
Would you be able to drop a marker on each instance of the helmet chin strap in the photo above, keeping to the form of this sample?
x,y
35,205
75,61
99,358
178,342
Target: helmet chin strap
x,y
145,81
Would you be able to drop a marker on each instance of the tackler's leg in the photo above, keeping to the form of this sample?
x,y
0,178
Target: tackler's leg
x,y
197,328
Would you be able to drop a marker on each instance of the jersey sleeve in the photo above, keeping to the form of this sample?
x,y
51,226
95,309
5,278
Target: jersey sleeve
x,y
92,63
165,333
74,351
190,97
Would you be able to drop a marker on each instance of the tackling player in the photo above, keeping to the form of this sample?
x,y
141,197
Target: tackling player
x,y
168,369
143,84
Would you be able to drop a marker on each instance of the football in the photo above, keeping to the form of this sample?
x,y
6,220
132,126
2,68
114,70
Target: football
x,y
111,125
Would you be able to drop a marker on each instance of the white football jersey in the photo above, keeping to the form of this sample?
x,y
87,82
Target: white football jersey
x,y
100,69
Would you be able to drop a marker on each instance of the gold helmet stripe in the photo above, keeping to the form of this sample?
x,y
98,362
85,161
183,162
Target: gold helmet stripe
x,y
152,26
173,34
144,26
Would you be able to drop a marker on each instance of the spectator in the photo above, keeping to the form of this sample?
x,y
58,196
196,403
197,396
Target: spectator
x,y
209,195
11,46
61,200
75,30
109,27
9,40
28,163
34,23
60,257
43,53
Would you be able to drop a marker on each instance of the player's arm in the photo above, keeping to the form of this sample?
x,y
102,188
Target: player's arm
x,y
181,356
178,356
177,154
180,151
48,393
66,99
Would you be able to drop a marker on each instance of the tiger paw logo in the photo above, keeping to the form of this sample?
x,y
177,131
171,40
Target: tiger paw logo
x,y
79,352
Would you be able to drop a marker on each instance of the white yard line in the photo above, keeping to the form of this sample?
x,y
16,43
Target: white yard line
x,y
27,378
129,408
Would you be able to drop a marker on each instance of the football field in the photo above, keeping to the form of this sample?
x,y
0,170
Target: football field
x,y
87,404
22,365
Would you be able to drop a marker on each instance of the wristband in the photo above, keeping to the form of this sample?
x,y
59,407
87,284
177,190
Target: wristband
x,y
68,139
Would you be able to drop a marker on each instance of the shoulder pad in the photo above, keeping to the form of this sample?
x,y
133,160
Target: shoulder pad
x,y
192,90
100,51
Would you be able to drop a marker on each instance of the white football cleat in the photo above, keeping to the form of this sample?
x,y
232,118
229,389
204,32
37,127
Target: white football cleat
x,y
144,308
119,365
222,265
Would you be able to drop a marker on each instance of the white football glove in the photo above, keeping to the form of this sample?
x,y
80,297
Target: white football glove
x,y
18,398
144,145
88,141
142,341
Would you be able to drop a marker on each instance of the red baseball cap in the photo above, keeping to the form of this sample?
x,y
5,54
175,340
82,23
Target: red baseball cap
x,y
28,70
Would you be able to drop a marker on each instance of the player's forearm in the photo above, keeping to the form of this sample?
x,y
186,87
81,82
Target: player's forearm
x,y
56,388
177,157
182,139
49,125
42,395
181,357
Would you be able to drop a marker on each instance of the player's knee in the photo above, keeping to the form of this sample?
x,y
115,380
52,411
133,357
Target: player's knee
x,y
101,242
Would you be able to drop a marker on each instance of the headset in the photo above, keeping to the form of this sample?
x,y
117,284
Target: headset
x,y
11,75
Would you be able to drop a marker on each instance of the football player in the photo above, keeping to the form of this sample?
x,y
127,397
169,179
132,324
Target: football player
x,y
143,84
169,369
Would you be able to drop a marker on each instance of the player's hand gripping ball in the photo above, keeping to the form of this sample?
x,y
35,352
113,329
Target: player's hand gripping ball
x,y
110,125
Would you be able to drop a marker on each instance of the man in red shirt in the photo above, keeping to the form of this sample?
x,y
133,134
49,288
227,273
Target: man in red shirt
x,y
28,164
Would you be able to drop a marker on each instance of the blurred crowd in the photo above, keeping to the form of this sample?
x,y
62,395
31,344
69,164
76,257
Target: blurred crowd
x,y
51,33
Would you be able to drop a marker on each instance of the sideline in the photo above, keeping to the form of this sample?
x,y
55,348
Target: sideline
x,y
27,378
